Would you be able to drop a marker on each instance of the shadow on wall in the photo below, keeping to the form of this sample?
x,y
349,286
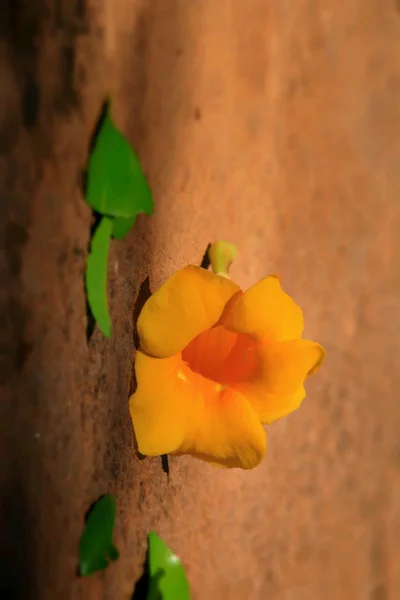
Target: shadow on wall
x,y
75,394
150,71
150,67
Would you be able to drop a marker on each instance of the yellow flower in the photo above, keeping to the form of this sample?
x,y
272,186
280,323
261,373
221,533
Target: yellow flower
x,y
216,363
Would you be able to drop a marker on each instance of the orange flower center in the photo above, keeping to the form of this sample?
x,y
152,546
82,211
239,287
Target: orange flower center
x,y
222,356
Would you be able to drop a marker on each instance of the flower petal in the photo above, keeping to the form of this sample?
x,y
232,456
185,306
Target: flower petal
x,y
224,429
188,303
177,411
158,408
271,407
284,366
266,312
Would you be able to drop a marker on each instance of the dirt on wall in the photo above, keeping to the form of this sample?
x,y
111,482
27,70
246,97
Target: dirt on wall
x,y
273,125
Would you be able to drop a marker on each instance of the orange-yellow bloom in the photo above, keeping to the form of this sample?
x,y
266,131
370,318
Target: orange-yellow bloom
x,y
214,364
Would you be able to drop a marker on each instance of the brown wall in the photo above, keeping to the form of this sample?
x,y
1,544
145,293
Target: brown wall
x,y
274,125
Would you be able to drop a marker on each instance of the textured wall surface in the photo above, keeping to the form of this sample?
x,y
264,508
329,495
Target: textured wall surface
x,y
274,125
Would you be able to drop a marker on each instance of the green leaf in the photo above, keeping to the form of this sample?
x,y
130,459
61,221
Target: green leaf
x,y
116,185
96,547
121,226
96,275
167,576
117,189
